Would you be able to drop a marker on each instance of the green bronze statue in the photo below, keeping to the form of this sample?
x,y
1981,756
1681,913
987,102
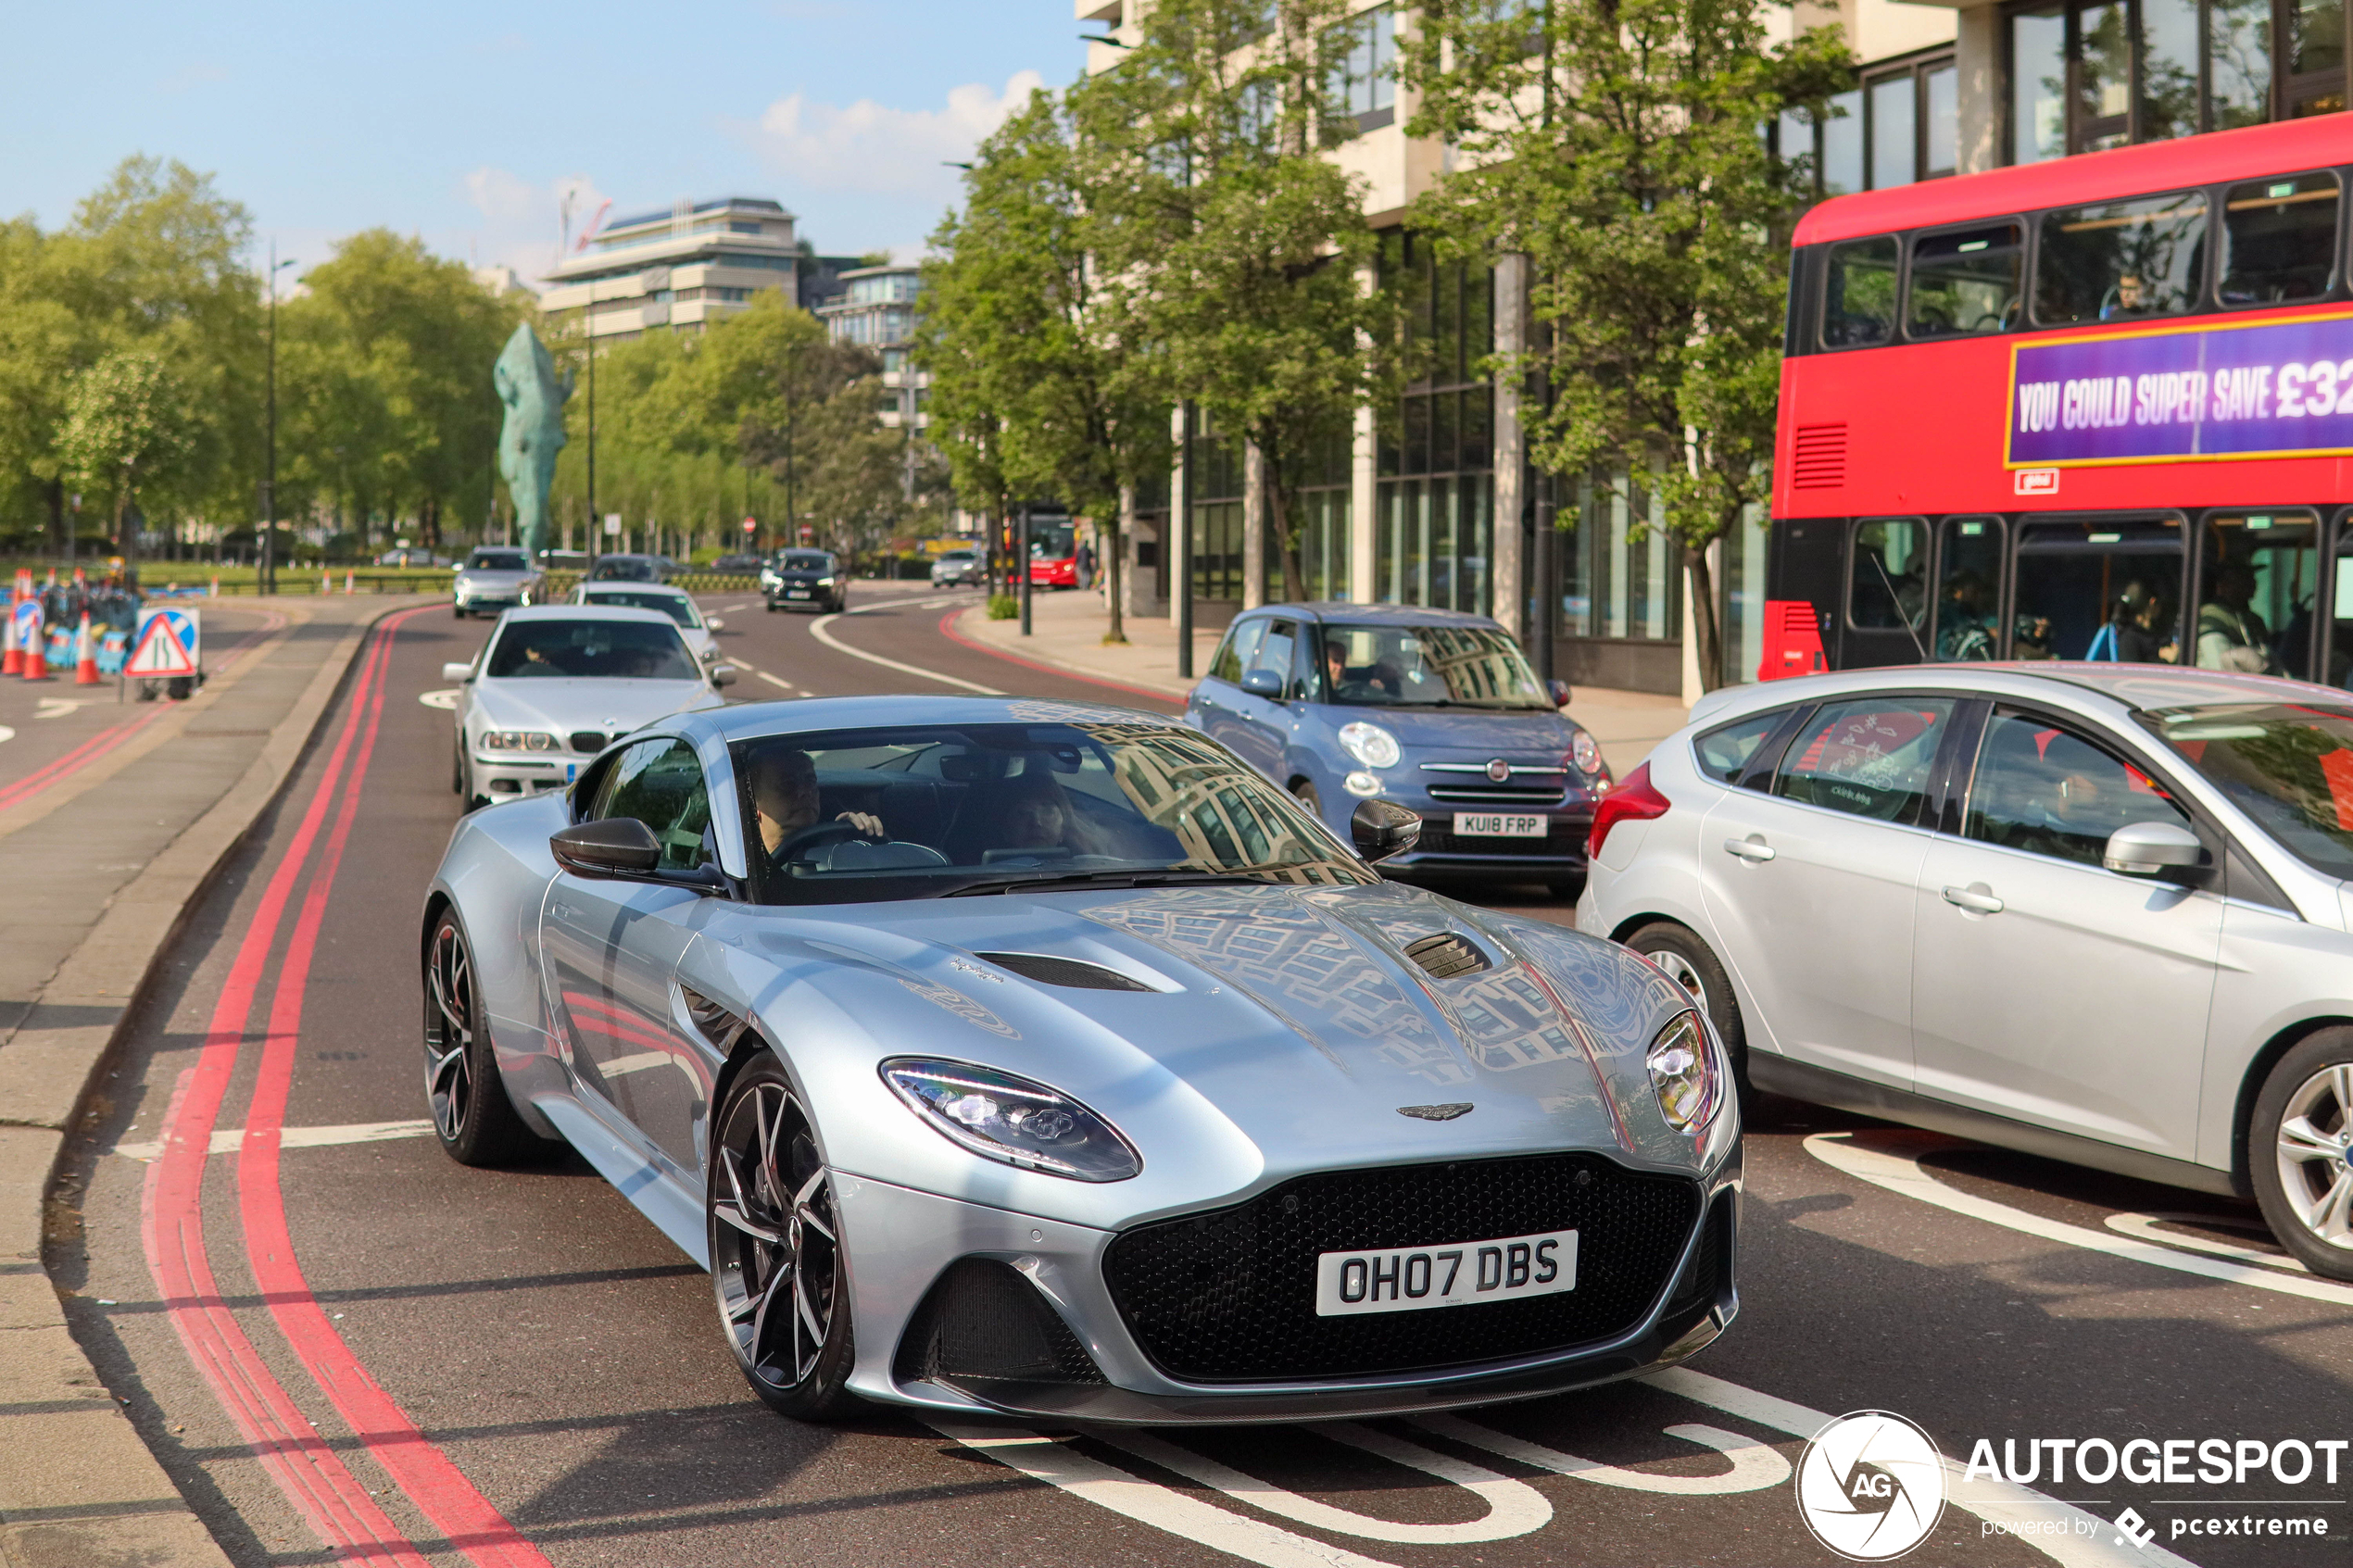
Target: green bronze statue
x,y
534,433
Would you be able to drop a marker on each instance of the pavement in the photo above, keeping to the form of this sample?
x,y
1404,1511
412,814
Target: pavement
x,y
340,1346
115,815
1066,636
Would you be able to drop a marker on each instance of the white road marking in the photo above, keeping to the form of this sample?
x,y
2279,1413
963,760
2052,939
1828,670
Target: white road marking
x,y
1148,1502
777,682
229,1140
7,733
1755,1466
2092,1543
1513,1508
2145,1227
817,630
445,698
54,708
1901,1173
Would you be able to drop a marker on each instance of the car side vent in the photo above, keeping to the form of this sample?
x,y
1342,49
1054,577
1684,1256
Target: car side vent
x,y
982,1323
587,740
1048,971
1820,463
1444,956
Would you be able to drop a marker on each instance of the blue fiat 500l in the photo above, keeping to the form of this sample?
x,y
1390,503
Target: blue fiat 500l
x,y
1432,708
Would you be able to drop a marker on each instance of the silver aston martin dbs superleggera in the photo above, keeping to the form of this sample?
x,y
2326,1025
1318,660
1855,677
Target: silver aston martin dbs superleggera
x,y
1031,1058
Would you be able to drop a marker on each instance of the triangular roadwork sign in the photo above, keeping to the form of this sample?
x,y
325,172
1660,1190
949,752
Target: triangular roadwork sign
x,y
160,652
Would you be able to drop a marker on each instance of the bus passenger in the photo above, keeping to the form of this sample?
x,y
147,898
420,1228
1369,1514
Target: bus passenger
x,y
2130,637
2130,298
1965,630
2230,635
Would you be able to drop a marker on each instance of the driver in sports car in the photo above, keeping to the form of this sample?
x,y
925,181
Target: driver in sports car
x,y
784,797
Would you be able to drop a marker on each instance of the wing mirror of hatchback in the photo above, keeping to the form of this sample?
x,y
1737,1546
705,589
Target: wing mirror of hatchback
x,y
456,672
1382,828
714,624
1560,693
723,676
610,847
2151,848
1263,683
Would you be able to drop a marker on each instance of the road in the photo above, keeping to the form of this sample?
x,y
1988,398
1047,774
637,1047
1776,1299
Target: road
x,y
340,1342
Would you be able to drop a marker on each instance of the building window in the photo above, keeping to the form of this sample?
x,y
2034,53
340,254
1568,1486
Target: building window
x,y
1433,529
1622,577
1216,502
2093,74
1902,124
1362,77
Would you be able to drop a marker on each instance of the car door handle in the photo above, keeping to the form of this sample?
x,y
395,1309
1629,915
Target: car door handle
x,y
1977,899
1750,850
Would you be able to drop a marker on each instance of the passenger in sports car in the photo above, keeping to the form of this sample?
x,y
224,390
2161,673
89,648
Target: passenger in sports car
x,y
784,798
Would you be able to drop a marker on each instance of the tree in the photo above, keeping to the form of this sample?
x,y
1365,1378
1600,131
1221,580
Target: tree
x,y
134,422
1230,248
1617,145
1036,389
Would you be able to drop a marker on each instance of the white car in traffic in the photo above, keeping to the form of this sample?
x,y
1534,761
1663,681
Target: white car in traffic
x,y
557,684
2098,912
676,603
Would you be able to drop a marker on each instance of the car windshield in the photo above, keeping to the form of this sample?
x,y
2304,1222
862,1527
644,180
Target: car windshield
x,y
496,560
1427,667
678,606
807,560
602,650
875,814
2288,766
624,569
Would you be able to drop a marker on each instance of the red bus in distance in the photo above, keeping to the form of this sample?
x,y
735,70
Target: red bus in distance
x,y
2096,407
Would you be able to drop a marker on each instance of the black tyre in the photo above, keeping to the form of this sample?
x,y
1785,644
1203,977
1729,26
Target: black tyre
x,y
771,605
775,1248
467,1100
2300,1152
458,769
458,612
1567,889
1690,964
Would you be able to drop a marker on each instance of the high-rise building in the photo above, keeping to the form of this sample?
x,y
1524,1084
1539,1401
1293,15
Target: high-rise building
x,y
695,263
875,309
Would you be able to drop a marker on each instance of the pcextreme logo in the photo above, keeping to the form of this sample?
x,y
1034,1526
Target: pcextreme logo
x,y
1870,1485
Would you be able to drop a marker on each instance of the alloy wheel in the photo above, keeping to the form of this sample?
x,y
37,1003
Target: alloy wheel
x,y
776,1255
1685,974
450,1036
2315,1154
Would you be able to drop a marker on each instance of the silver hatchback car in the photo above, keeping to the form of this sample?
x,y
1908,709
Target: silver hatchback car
x,y
2098,912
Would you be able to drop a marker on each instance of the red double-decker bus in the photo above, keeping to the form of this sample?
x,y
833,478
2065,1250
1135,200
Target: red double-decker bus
x,y
2099,408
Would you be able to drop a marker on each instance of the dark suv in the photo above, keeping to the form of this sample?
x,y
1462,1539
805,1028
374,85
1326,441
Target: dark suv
x,y
806,579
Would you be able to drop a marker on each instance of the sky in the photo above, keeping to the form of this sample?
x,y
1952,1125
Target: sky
x,y
466,123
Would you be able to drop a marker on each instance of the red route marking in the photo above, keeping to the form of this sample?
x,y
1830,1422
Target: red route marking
x,y
456,1509
947,629
310,1474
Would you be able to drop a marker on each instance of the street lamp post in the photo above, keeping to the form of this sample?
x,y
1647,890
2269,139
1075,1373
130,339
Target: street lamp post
x,y
265,574
588,337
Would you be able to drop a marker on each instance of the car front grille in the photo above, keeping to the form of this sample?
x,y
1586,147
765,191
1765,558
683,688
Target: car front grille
x,y
1562,840
1231,1296
1497,794
587,740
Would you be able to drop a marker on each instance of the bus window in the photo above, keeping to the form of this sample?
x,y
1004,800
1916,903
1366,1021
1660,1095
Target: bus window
x,y
2279,240
2101,588
1888,583
2259,578
2340,642
2120,261
1969,588
1859,305
1966,282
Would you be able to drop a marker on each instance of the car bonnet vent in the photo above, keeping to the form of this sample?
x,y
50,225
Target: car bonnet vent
x,y
1444,956
1049,971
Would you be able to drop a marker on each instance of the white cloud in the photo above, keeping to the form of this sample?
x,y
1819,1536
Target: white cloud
x,y
872,147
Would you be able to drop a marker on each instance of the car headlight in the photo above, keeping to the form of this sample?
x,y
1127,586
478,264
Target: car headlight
x,y
1585,755
825,581
1011,1119
518,740
1370,744
1684,1073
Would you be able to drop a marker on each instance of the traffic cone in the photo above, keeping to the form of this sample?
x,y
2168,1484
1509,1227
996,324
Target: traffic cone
x,y
11,656
36,655
216,587
326,583
346,584
85,655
